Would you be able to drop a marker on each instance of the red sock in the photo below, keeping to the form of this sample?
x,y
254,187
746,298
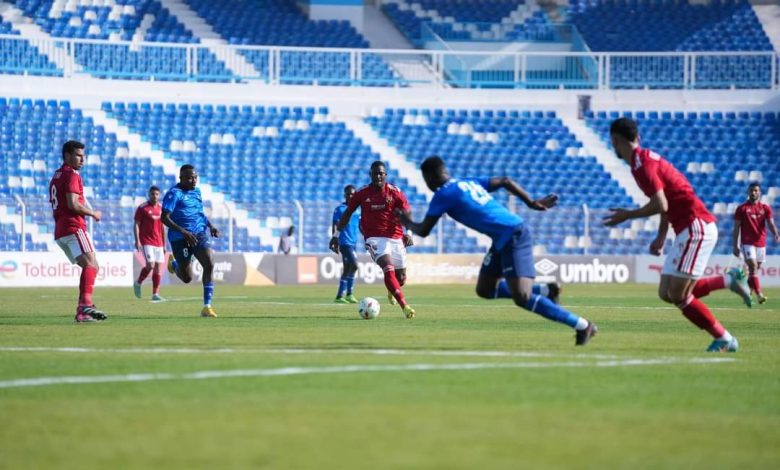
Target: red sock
x,y
707,285
156,279
698,314
87,285
391,282
142,275
754,284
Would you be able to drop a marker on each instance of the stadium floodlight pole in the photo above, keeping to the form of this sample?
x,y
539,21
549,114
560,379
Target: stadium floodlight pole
x,y
586,229
24,215
301,226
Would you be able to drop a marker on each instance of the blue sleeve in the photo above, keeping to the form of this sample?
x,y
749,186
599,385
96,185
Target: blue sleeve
x,y
485,183
169,201
439,205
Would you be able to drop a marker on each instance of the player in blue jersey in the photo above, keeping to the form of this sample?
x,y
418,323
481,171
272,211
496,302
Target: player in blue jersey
x,y
190,233
347,247
511,257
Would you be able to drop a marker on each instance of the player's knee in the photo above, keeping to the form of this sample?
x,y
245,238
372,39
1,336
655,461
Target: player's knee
x,y
485,293
185,278
521,299
664,295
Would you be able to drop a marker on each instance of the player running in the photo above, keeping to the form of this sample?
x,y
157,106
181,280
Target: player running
x,y
750,221
672,196
511,257
150,240
385,238
182,213
66,195
347,248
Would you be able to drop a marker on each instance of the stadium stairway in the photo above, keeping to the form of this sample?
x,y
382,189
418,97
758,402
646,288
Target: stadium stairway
x,y
769,16
235,62
396,159
593,145
38,233
31,31
139,146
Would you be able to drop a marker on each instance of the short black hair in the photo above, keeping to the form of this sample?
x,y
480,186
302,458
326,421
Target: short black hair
x,y
153,188
754,184
625,127
433,164
377,164
186,167
70,147
349,186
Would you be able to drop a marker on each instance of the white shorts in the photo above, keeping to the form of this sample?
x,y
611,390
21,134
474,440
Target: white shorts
x,y
757,253
75,245
380,246
154,254
691,250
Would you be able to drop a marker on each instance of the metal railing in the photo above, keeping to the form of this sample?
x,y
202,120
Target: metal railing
x,y
393,68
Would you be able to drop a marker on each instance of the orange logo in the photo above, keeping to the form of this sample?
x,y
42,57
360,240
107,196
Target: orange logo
x,y
307,270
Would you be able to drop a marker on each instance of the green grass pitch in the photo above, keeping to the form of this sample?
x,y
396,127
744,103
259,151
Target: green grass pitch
x,y
286,379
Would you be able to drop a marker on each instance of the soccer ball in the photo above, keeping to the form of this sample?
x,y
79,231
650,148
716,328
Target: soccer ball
x,y
368,308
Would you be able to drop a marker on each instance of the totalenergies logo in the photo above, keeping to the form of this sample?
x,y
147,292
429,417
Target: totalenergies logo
x,y
8,268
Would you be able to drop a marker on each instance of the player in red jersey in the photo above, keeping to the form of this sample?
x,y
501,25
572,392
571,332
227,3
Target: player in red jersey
x,y
384,234
672,196
750,221
66,195
150,240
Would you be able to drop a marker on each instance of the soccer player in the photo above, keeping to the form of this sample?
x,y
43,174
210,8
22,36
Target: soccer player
x,y
150,240
750,221
385,237
66,195
511,257
347,248
672,196
190,232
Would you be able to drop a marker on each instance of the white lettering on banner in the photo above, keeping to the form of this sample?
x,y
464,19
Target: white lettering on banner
x,y
444,270
331,268
594,272
43,269
220,268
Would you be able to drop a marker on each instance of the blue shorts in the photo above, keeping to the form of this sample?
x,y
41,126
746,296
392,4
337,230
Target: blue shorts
x,y
348,254
183,253
514,260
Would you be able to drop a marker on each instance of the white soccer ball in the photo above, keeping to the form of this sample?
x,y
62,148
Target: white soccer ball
x,y
368,308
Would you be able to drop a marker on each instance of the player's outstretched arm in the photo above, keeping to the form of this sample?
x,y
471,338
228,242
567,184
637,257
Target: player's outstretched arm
x,y
421,229
512,187
657,205
136,232
735,237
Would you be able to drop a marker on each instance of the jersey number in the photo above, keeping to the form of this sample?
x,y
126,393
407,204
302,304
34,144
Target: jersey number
x,y
53,199
477,192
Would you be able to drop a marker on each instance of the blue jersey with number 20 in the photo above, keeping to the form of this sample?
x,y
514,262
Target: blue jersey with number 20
x,y
469,202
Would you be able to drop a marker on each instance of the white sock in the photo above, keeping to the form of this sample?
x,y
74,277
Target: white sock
x,y
726,337
581,324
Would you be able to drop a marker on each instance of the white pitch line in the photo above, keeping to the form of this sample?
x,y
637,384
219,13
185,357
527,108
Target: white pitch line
x,y
287,371
372,352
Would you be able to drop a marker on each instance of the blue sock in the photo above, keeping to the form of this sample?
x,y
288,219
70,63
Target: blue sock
x,y
548,309
350,284
208,293
342,288
175,265
502,290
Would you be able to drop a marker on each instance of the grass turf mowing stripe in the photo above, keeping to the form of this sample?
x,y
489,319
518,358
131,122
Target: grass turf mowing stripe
x,y
287,371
